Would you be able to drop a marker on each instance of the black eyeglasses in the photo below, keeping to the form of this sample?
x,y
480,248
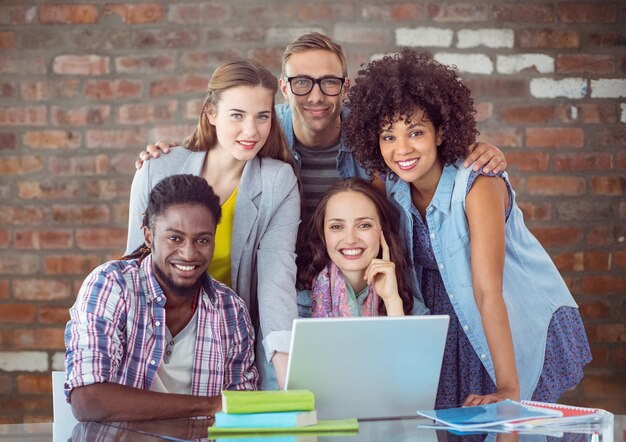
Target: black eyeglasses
x,y
303,85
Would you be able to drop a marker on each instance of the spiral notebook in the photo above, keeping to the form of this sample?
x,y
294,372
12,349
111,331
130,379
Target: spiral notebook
x,y
491,415
570,416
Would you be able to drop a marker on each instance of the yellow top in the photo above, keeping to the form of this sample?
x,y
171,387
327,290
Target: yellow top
x,y
220,264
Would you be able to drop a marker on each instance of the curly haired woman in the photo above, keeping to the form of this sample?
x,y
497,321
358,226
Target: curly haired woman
x,y
515,331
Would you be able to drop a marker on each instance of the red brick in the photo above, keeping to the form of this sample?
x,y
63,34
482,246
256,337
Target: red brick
x,y
504,137
34,383
43,239
97,239
23,116
42,39
555,137
17,313
157,38
19,264
209,60
589,113
558,236
585,210
113,89
595,310
555,185
176,132
38,339
600,357
7,141
146,113
22,214
525,114
597,261
24,405
6,384
181,84
586,12
7,40
600,236
516,12
78,214
117,139
212,12
52,139
528,161
70,264
120,213
585,63
80,65
548,39
569,261
136,14
17,66
460,12
535,212
608,185
325,12
484,111
620,259
192,108
618,357
4,289
101,189
603,285
612,333
231,35
53,315
47,189
580,161
606,39
5,238
144,64
497,88
83,165
259,13
396,13
41,289
81,116
268,57
610,137
20,165
68,14
46,90
18,14
7,90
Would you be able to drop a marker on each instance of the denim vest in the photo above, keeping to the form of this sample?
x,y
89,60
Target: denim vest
x,y
347,165
532,287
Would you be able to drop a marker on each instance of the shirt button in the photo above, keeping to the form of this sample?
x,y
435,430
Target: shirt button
x,y
159,299
441,266
153,362
169,353
451,296
171,342
466,327
430,209
432,235
157,323
483,356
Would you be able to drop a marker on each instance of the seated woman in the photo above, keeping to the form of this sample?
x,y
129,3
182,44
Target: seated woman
x,y
239,149
515,331
351,257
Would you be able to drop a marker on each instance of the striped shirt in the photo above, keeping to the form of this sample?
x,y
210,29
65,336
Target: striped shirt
x,y
116,332
318,172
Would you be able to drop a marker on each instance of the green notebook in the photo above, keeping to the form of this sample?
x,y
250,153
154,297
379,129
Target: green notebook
x,y
241,401
323,427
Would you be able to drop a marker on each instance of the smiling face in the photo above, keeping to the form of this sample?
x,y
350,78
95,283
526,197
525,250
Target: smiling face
x,y
315,115
352,234
242,120
182,242
410,150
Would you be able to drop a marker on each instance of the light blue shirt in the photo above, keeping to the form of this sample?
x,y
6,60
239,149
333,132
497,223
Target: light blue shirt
x,y
532,287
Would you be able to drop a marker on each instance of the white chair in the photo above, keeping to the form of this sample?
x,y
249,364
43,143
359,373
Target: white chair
x,y
63,418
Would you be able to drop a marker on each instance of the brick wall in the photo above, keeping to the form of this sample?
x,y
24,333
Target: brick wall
x,y
84,86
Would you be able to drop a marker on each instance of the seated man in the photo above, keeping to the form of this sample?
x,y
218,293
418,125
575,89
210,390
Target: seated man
x,y
153,336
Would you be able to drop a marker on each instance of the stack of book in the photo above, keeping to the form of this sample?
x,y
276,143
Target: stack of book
x,y
273,412
523,416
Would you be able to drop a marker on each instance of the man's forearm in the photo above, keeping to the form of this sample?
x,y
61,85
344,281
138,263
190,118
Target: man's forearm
x,y
114,402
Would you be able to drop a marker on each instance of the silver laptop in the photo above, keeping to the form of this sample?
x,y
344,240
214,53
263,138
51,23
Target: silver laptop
x,y
368,368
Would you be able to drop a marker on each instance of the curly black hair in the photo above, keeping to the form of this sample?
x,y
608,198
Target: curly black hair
x,y
392,88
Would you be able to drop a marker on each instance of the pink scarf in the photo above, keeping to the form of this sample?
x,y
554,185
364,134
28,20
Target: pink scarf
x,y
329,296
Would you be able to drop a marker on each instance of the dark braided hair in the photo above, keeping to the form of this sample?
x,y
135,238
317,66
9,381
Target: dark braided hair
x,y
173,191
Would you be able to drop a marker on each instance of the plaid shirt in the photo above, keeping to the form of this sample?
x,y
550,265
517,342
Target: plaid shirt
x,y
116,332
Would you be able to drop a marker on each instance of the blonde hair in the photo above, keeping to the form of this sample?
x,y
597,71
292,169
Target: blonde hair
x,y
312,41
234,73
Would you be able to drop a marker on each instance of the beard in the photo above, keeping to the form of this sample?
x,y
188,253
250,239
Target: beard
x,y
179,290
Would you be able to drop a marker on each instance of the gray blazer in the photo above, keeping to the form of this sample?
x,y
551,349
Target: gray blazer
x,y
265,226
